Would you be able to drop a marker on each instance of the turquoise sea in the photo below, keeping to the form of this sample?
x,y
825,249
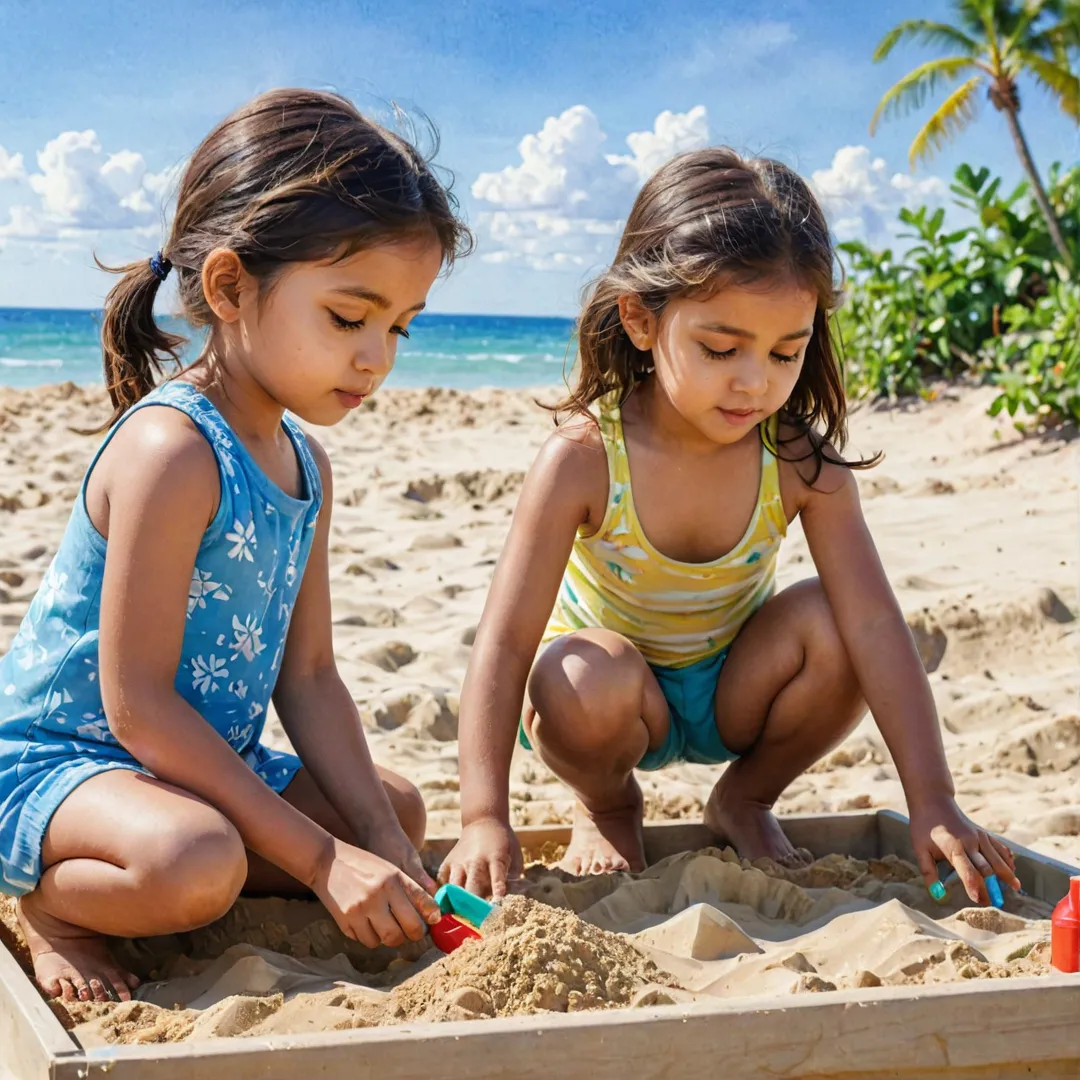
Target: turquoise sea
x,y
464,351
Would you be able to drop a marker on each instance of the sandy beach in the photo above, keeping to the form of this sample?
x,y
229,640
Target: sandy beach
x,y
977,527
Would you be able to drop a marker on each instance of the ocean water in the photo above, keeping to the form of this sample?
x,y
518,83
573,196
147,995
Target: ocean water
x,y
40,346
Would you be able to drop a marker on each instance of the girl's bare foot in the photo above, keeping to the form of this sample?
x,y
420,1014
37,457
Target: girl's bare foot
x,y
71,962
608,840
752,830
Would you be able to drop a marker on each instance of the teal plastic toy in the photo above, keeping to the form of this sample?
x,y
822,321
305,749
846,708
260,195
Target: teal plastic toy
x,y
453,900
463,915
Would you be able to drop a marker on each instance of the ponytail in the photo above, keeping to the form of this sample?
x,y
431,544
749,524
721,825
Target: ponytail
x,y
134,347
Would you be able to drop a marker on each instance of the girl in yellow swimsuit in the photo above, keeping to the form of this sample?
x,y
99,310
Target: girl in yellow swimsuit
x,y
633,619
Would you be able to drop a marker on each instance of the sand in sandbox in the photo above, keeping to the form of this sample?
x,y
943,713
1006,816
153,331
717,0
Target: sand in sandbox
x,y
533,958
696,925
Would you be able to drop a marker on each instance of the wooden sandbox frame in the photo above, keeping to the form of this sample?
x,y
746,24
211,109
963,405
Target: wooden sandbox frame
x,y
996,1028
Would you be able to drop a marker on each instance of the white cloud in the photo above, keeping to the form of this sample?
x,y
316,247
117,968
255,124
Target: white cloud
x,y
82,188
672,134
862,200
11,166
562,167
561,207
24,224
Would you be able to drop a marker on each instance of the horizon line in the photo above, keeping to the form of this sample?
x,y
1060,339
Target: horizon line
x,y
449,314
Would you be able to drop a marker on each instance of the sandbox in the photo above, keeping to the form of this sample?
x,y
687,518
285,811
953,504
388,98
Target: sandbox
x,y
996,1028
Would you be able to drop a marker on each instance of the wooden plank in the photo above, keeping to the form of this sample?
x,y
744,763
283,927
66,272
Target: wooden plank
x,y
973,1031
31,1037
1043,877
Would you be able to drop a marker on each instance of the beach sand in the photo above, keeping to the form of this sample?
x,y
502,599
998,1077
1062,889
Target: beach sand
x,y
977,528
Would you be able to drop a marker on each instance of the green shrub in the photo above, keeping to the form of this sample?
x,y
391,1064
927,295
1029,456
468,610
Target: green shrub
x,y
990,300
1039,357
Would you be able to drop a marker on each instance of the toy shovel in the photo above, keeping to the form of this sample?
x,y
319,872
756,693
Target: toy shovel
x,y
463,915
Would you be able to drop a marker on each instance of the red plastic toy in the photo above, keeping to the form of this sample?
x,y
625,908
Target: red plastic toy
x,y
1065,931
450,932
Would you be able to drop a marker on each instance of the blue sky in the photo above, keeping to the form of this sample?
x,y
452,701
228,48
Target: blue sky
x,y
791,78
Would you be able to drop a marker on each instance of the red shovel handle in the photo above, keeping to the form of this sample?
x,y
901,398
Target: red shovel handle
x,y
449,933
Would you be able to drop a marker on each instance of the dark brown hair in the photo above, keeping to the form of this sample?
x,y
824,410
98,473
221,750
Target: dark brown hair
x,y
292,176
705,220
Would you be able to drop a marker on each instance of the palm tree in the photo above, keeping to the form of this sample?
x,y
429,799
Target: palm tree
x,y
995,42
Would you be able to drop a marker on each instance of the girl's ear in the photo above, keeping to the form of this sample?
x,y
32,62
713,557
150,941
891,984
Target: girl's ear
x,y
224,279
638,322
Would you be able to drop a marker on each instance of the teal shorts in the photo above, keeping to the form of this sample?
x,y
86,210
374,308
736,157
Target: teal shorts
x,y
692,736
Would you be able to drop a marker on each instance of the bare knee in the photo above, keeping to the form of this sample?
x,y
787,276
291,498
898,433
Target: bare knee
x,y
408,805
195,873
586,688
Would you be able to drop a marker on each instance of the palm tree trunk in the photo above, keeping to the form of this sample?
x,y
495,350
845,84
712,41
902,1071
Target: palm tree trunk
x,y
1037,188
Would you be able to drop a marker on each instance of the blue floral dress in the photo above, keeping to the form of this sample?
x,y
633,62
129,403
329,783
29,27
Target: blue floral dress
x,y
53,729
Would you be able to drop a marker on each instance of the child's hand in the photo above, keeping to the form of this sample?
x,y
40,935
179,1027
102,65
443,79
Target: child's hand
x,y
372,900
391,843
486,857
940,831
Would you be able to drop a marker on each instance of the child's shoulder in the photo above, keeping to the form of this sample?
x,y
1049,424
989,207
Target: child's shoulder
x,y
572,463
157,458
159,440
809,464
578,430
576,448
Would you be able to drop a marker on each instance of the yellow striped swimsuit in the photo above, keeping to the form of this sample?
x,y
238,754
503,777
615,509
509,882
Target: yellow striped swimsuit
x,y
681,616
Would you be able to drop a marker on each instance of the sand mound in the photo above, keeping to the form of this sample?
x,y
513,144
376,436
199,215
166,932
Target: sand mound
x,y
533,958
1041,746
474,486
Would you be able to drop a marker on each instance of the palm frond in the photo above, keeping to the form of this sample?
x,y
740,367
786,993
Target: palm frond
x,y
991,19
952,116
1058,79
1058,38
971,14
927,32
1020,32
917,85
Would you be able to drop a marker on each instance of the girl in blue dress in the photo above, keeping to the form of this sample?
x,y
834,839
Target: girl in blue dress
x,y
191,587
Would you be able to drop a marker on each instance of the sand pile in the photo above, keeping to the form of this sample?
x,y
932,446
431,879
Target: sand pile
x,y
533,958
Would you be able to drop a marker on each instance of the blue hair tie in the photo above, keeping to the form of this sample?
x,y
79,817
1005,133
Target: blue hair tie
x,y
160,266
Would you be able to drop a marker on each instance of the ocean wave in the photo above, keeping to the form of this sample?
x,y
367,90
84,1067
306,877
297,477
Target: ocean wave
x,y
479,357
18,361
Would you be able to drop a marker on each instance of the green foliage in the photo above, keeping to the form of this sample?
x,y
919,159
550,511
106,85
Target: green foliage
x,y
990,300
1040,357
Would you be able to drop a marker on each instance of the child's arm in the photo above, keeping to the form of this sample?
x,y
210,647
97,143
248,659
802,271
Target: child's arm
x,y
553,504
320,718
891,674
160,480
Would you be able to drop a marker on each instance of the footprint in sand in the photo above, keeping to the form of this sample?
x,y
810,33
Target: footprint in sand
x,y
433,714
371,615
1040,746
435,542
392,656
930,640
